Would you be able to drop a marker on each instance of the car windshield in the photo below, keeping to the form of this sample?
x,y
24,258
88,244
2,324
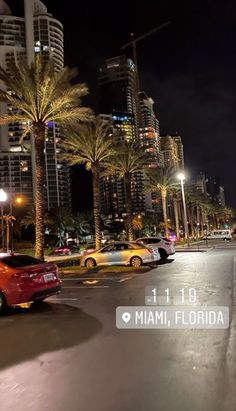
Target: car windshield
x,y
16,261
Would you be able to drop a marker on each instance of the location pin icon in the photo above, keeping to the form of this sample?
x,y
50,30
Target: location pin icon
x,y
126,317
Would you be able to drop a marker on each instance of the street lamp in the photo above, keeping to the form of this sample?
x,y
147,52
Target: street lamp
x,y
18,201
181,177
3,198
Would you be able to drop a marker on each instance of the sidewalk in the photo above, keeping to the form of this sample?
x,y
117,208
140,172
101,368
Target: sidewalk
x,y
193,248
55,258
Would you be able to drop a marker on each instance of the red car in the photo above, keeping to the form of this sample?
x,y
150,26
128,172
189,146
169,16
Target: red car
x,y
25,279
66,250
89,249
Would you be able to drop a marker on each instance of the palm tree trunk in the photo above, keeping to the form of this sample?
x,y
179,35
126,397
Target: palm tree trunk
x,y
96,206
7,234
39,137
164,208
198,221
176,212
202,223
191,219
128,202
215,221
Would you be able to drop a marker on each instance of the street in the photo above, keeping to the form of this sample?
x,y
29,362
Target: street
x,y
67,354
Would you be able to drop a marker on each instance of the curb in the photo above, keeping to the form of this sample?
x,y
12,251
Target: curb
x,y
189,250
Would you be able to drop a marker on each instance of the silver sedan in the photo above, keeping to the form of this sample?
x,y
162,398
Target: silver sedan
x,y
121,253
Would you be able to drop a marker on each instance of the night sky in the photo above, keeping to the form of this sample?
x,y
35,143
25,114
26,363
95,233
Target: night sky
x,y
188,68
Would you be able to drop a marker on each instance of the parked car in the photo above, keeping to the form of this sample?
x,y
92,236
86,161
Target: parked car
x,y
163,245
67,249
89,249
25,279
121,253
219,235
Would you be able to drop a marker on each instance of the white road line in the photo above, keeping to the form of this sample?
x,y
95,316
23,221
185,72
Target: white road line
x,y
87,286
92,278
62,299
125,279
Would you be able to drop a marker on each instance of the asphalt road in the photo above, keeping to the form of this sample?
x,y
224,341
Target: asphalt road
x,y
68,355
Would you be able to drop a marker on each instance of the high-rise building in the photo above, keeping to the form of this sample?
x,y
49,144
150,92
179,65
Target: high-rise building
x,y
118,90
172,152
215,190
112,187
21,37
119,101
221,196
201,183
149,136
180,151
149,132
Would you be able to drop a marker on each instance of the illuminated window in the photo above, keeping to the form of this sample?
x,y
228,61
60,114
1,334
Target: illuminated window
x,y
24,166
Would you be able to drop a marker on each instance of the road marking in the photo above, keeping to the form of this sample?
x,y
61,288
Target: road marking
x,y
93,278
85,286
62,299
125,279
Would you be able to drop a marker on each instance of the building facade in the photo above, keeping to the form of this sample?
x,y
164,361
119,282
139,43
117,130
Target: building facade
x,y
149,132
119,102
172,153
215,190
112,187
134,119
20,37
118,89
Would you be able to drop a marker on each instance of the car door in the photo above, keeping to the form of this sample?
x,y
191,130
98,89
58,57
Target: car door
x,y
119,254
124,253
106,255
155,243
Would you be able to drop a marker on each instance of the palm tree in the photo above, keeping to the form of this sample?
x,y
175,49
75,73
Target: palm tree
x,y
29,218
90,144
40,95
61,223
137,224
9,219
81,225
176,213
129,159
162,180
227,215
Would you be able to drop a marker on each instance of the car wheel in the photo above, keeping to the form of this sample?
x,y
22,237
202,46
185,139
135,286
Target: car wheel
x,y
136,262
163,254
90,262
2,302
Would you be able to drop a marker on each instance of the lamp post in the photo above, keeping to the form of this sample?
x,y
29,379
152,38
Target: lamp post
x,y
181,177
3,198
18,201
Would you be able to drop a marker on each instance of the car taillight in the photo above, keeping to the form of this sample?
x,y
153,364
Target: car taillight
x,y
167,240
150,250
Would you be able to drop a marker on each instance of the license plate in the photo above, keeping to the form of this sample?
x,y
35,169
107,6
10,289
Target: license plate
x,y
48,277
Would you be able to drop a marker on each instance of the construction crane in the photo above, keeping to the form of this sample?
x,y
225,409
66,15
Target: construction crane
x,y
134,41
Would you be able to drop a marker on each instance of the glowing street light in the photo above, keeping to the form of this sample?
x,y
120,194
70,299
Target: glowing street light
x,y
3,198
19,200
181,177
